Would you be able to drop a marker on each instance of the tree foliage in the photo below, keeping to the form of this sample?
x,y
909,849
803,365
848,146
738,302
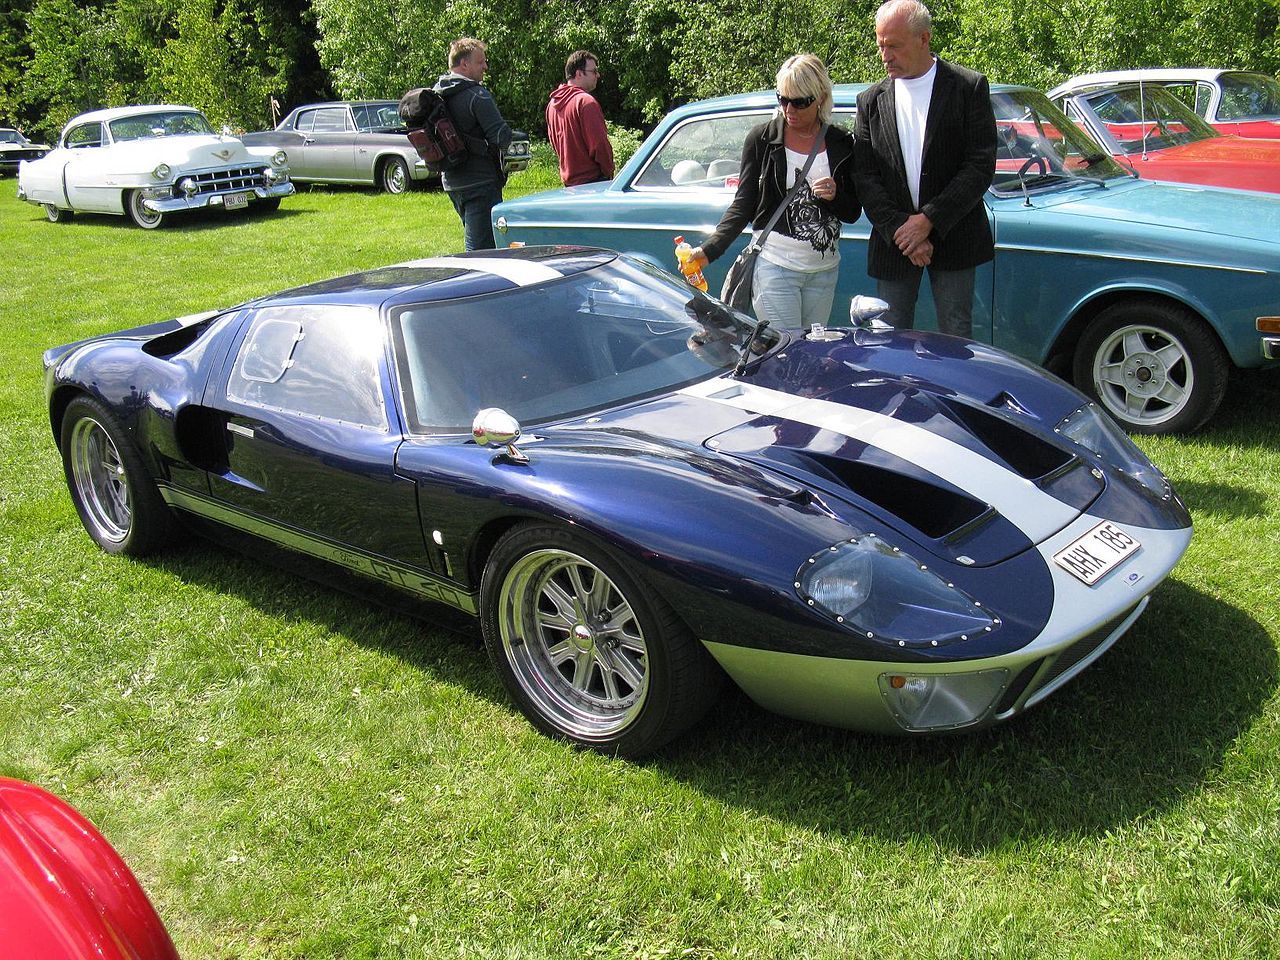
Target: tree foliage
x,y
228,57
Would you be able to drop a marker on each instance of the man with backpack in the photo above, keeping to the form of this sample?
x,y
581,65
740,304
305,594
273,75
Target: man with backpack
x,y
475,185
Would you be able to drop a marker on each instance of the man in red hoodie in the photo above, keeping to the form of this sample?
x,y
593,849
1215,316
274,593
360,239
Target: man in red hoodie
x,y
575,124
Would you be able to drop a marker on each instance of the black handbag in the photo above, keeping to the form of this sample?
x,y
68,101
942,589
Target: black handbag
x,y
736,292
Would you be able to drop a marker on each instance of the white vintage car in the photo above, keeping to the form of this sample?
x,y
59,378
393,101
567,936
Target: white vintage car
x,y
149,162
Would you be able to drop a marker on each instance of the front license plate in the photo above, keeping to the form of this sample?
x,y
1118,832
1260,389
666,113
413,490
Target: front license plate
x,y
234,201
1097,553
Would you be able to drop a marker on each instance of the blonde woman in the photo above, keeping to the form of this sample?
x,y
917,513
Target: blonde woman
x,y
795,278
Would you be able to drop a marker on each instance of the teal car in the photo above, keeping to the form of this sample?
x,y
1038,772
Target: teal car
x,y
1145,294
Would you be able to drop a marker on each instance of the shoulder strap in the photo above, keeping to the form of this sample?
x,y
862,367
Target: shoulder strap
x,y
804,172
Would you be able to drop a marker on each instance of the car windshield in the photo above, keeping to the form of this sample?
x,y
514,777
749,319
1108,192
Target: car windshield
x,y
1147,117
11,136
378,116
164,123
1249,96
591,340
1037,145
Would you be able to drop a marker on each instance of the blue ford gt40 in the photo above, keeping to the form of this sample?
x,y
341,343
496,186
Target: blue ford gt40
x,y
638,491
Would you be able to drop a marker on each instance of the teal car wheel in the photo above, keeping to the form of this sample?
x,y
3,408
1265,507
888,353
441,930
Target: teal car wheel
x,y
1153,366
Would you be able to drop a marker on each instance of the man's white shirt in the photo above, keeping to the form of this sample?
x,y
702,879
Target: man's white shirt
x,y
911,99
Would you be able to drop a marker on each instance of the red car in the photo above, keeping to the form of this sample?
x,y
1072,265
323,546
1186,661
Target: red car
x,y
65,894
1151,130
1238,102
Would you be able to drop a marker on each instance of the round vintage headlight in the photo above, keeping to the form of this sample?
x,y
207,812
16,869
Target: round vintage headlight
x,y
162,172
279,158
188,186
876,589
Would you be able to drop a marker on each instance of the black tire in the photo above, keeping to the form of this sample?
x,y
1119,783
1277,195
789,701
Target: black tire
x,y
623,684
393,176
1154,366
140,215
114,494
55,214
268,204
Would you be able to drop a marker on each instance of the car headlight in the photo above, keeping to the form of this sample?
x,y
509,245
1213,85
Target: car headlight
x,y
162,172
279,158
1094,430
941,701
880,591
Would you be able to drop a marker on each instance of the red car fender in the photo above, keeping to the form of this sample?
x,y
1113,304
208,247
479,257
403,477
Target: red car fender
x,y
64,891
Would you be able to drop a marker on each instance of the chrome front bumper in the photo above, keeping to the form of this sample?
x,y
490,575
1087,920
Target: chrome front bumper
x,y
217,199
1271,348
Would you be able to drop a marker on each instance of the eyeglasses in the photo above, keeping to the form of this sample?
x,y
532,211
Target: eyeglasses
x,y
798,102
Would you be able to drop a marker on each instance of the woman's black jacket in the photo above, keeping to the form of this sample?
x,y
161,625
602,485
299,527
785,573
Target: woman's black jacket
x,y
763,183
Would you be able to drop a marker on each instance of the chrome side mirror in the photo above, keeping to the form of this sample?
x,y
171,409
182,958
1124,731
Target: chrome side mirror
x,y
868,313
493,427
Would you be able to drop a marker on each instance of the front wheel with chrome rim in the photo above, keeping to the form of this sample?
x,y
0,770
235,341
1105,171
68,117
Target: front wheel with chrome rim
x,y
587,651
395,175
116,498
138,212
1155,367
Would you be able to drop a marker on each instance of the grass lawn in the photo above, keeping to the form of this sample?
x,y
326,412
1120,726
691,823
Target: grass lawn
x,y
294,771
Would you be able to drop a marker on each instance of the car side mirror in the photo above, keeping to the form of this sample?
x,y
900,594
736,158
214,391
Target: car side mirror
x,y
493,427
867,313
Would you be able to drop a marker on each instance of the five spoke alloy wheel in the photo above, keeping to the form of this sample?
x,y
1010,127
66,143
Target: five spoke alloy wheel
x,y
117,501
588,652
1155,368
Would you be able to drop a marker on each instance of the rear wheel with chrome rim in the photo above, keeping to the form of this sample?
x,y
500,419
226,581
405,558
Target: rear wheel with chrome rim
x,y
116,498
55,214
587,651
1154,366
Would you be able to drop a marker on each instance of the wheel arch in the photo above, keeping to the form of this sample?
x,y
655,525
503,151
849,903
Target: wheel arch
x,y
1062,353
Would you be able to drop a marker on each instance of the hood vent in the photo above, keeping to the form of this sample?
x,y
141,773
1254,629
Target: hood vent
x,y
933,510
1025,453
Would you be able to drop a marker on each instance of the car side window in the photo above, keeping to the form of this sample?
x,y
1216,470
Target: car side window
x,y
700,153
85,135
331,120
314,361
305,121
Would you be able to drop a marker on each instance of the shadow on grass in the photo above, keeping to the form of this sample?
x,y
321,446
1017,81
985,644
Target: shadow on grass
x,y
206,218
1133,734
1253,397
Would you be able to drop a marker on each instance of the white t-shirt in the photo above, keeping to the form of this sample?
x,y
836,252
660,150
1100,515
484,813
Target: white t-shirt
x,y
806,236
911,98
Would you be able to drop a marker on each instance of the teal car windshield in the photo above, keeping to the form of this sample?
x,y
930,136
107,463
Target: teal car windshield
x,y
1038,145
615,333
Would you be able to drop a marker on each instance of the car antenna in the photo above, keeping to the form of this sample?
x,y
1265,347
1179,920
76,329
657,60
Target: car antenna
x,y
1142,116
746,347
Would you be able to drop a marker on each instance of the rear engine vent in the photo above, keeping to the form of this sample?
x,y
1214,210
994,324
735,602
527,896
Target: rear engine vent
x,y
934,511
1025,453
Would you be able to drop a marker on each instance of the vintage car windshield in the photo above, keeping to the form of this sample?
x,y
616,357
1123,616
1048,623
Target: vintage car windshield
x,y
617,332
1034,137
11,136
164,123
1249,96
1148,117
378,116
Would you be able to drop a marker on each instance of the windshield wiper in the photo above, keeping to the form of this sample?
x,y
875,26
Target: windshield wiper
x,y
746,347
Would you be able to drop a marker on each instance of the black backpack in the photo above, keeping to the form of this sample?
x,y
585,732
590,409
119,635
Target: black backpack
x,y
431,129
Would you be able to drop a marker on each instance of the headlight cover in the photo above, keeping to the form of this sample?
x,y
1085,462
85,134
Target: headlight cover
x,y
923,701
161,172
279,158
1094,430
883,593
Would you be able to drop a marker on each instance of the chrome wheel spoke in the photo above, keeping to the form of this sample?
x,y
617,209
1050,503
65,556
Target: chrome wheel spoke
x,y
1134,343
1170,356
1112,373
1172,393
583,669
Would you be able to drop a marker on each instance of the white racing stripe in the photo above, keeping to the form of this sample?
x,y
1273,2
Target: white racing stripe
x,y
1033,511
520,272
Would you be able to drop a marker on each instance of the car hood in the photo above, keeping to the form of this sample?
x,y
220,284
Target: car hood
x,y
1228,149
182,152
966,465
1239,214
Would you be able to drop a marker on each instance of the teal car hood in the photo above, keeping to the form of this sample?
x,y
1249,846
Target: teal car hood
x,y
1238,214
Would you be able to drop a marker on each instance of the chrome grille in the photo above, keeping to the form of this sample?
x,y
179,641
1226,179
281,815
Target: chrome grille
x,y
13,156
232,178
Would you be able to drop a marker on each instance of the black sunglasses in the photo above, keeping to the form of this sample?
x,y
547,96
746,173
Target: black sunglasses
x,y
798,102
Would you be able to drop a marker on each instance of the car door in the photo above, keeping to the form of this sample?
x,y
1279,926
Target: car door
x,y
309,438
331,145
